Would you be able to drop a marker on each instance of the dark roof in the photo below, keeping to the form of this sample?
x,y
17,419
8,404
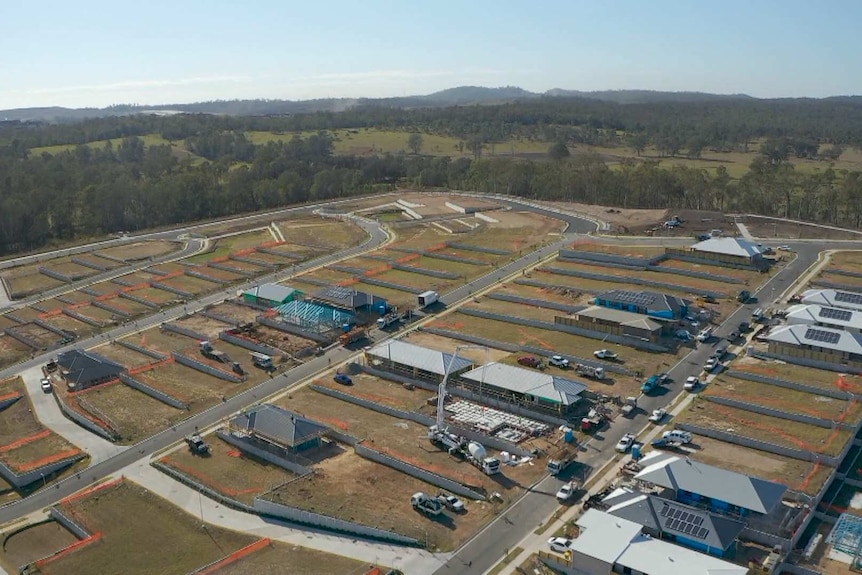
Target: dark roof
x,y
279,425
671,518
82,367
650,300
346,297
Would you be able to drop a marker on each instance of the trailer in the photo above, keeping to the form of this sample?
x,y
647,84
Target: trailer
x,y
427,298
590,371
208,351
261,360
390,318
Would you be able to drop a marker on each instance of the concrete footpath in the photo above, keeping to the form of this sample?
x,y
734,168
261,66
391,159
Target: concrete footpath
x,y
407,559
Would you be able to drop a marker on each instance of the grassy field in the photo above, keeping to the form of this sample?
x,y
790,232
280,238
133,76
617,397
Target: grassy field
x,y
11,351
32,543
227,245
123,355
181,544
800,374
155,295
324,232
850,261
141,250
21,286
136,415
191,284
302,561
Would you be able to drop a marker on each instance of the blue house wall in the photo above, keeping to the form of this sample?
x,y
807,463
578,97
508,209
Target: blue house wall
x,y
715,505
700,546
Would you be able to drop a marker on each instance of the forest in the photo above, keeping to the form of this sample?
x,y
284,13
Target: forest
x,y
128,185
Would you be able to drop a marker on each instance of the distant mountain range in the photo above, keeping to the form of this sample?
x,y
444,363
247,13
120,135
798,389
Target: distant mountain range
x,y
460,96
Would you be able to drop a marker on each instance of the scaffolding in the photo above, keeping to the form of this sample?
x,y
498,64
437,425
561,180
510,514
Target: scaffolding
x,y
846,537
314,317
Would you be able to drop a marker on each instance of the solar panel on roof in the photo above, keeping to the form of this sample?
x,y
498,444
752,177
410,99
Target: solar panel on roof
x,y
702,533
698,520
838,314
848,297
822,335
676,524
668,522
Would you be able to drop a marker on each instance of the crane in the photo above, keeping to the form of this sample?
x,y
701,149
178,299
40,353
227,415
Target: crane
x,y
441,390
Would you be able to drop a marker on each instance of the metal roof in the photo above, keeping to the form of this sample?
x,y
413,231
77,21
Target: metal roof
x,y
685,474
528,381
347,297
814,314
422,358
279,425
649,300
728,246
617,541
669,517
833,298
822,337
621,317
271,292
83,367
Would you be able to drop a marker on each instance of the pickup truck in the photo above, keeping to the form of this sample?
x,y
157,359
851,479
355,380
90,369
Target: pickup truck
x,y
651,384
605,354
657,415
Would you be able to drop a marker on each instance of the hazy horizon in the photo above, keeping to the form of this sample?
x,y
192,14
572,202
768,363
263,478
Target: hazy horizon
x,y
94,53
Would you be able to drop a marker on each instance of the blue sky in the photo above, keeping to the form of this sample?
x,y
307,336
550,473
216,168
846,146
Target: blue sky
x,y
97,53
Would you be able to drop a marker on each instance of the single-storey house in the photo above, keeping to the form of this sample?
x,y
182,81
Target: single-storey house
x,y
816,342
833,298
614,321
415,361
280,428
270,295
653,304
730,250
820,316
82,369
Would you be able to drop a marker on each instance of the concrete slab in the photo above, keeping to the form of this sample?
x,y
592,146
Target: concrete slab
x,y
51,417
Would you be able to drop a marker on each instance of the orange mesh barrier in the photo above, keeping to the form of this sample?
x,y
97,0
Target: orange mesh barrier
x,y
100,386
408,258
150,366
437,247
25,440
142,285
243,252
9,395
348,282
234,557
51,313
30,465
219,259
271,244
95,489
377,271
41,563
205,479
107,296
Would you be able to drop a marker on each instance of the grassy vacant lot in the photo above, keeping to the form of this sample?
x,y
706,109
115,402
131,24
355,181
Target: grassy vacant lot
x,y
327,275
191,284
177,546
38,334
850,261
764,427
140,250
800,374
244,267
11,351
751,277
393,296
135,414
684,282
787,400
22,286
469,271
33,543
322,232
302,561
72,269
553,340
155,295
418,281
620,250
228,471
123,355
229,244
240,313
839,279
204,325
440,343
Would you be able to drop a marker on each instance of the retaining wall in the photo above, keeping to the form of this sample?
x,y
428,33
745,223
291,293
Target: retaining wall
x,y
21,480
436,255
112,258
203,276
110,308
123,282
13,333
254,262
9,401
294,329
229,269
391,285
536,302
847,273
426,272
70,524
279,253
631,342
833,393
347,269
89,264
801,418
696,274
603,258
218,317
481,249
152,392
685,256
761,445
183,331
205,368
248,344
140,349
171,289
614,265
200,487
546,285
15,318
834,285
63,298
418,472
140,300
90,291
302,517
85,422
315,281
86,319
51,328
816,364
56,275
634,281
260,453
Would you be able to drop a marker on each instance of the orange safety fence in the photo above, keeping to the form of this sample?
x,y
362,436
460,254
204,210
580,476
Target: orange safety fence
x,y
271,244
25,440
243,252
94,489
219,259
173,274
408,258
91,388
209,481
42,462
807,479
9,395
377,271
142,285
41,563
84,413
347,282
51,313
437,247
107,296
150,366
234,557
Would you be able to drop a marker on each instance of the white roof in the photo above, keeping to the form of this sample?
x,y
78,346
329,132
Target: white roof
x,y
818,336
833,298
813,314
621,317
528,381
614,540
422,358
728,246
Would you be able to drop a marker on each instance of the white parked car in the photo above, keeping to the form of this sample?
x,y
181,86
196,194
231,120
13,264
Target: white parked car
x,y
559,544
559,361
710,365
785,248
677,435
566,492
625,442
605,354
451,502
657,415
691,383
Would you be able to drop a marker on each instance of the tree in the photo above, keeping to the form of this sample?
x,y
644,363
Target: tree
x,y
476,145
414,142
639,142
559,151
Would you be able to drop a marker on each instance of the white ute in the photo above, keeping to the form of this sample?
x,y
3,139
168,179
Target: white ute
x,y
559,361
657,415
566,492
691,383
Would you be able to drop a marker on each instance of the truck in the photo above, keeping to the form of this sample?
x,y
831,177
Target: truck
x,y
426,504
208,351
629,407
595,419
390,318
590,371
427,298
261,360
605,354
651,384
197,445
561,459
352,336
743,296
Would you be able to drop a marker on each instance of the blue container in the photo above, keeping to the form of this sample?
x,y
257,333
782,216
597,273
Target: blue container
x,y
636,451
569,435
346,327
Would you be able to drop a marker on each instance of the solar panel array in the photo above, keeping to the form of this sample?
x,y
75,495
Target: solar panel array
x,y
635,297
848,297
838,314
822,335
684,522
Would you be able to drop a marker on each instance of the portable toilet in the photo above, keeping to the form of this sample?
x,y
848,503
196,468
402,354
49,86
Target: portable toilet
x,y
569,435
636,451
345,327
381,308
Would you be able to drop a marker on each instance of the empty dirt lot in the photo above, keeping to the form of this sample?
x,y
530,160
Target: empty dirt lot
x,y
447,345
12,350
302,561
208,327
140,250
40,337
123,355
135,414
800,374
32,543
